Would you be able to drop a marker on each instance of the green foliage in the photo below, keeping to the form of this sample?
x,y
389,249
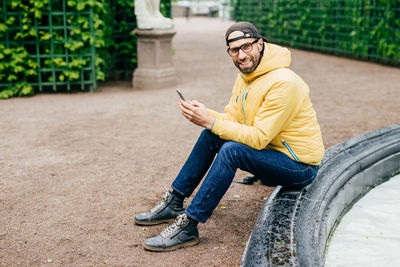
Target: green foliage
x,y
65,44
368,30
165,8
48,44
14,66
120,43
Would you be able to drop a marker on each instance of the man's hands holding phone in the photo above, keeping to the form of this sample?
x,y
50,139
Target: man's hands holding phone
x,y
197,113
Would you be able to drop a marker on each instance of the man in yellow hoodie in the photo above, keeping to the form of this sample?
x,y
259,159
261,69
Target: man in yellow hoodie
x,y
269,128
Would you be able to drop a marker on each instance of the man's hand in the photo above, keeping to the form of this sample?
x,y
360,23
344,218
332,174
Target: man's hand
x,y
197,113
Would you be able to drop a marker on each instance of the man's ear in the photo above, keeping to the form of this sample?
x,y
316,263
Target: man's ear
x,y
260,44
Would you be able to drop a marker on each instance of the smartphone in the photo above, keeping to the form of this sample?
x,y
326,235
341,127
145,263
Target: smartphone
x,y
180,95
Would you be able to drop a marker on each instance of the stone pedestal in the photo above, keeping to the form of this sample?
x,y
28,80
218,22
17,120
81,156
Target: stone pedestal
x,y
155,68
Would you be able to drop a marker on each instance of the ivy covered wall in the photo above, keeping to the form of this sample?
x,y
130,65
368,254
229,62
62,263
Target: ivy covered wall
x,y
63,45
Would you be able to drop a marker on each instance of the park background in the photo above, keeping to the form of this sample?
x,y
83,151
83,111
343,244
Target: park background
x,y
75,166
64,45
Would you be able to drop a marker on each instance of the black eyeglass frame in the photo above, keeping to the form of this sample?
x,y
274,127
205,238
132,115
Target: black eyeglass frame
x,y
241,48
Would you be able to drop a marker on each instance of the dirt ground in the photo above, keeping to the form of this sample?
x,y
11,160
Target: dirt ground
x,y
76,168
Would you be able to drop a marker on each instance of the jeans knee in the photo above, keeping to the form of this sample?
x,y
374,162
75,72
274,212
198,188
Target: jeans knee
x,y
204,137
211,140
205,133
230,150
207,136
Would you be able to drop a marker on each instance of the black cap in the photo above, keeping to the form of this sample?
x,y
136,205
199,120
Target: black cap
x,y
249,30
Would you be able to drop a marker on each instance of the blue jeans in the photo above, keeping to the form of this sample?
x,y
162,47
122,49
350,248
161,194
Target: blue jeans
x,y
270,166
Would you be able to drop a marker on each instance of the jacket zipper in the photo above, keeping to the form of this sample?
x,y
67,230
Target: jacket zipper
x,y
290,151
244,97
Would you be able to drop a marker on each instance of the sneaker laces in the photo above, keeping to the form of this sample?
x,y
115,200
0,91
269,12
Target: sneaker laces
x,y
166,196
180,221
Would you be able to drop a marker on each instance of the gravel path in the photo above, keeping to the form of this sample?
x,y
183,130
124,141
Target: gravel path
x,y
76,168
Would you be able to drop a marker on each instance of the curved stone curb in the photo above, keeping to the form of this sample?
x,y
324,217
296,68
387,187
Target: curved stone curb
x,y
294,226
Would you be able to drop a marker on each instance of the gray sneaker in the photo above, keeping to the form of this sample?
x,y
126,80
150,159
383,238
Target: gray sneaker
x,y
164,212
182,233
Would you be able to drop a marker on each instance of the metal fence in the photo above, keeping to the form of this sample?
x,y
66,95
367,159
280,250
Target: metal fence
x,y
362,29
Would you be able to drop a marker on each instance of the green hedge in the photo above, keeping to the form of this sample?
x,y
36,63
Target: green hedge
x,y
363,29
63,45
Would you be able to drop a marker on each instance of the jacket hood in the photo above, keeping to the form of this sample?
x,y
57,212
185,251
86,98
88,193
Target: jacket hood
x,y
274,57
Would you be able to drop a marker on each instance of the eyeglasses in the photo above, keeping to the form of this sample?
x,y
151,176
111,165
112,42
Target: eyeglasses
x,y
233,52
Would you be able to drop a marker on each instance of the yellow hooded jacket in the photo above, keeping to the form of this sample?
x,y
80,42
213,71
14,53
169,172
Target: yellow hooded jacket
x,y
270,109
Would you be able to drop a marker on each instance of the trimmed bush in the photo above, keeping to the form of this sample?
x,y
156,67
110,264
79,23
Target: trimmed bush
x,y
367,30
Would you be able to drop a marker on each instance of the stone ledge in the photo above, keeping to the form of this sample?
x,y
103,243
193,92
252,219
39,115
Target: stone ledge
x,y
294,226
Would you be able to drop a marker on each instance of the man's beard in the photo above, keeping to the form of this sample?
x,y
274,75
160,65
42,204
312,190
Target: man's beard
x,y
251,68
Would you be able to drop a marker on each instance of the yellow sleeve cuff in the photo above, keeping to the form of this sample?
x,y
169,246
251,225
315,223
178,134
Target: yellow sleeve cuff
x,y
216,128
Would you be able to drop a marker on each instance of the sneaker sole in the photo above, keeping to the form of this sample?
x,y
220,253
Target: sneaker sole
x,y
154,222
183,245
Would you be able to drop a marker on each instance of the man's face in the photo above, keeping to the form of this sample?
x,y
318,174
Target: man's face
x,y
246,62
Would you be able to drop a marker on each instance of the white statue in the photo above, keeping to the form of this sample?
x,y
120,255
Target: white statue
x,y
148,15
